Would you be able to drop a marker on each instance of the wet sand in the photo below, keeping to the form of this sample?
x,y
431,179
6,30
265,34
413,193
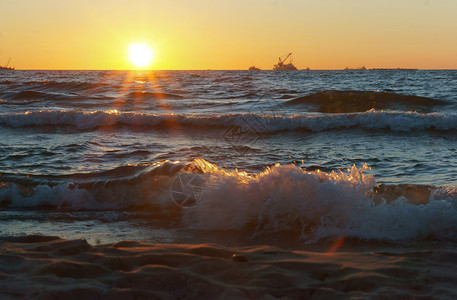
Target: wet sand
x,y
44,267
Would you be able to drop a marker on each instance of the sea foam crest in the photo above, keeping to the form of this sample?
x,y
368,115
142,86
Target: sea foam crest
x,y
373,119
320,205
283,198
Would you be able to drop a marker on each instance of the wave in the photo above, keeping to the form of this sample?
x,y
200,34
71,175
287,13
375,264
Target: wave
x,y
6,82
251,123
124,187
19,102
237,95
360,101
55,91
51,85
152,95
283,198
35,95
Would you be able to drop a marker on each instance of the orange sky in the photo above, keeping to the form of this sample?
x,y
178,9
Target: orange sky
x,y
235,34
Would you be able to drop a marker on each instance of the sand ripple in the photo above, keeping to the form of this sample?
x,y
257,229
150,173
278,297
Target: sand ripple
x,y
43,267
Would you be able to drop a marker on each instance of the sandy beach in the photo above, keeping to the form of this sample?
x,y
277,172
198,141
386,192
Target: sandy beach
x,y
45,267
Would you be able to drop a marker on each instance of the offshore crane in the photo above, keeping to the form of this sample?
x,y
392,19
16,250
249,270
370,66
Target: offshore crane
x,y
282,63
7,66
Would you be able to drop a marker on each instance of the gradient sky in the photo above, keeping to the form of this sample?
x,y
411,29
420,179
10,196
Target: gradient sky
x,y
229,34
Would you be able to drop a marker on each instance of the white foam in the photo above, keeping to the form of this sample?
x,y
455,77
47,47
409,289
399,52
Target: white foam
x,y
314,204
318,205
373,119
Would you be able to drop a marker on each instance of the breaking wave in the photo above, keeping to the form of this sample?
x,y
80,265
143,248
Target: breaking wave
x,y
283,198
251,122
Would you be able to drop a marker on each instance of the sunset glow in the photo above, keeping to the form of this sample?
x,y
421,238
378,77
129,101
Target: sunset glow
x,y
204,34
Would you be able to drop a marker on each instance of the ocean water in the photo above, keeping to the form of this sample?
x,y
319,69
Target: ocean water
x,y
230,156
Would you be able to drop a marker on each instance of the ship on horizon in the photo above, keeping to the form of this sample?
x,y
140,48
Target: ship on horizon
x,y
356,69
6,67
283,66
379,69
395,69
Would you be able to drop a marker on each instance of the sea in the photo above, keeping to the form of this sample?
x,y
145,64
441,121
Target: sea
x,y
289,158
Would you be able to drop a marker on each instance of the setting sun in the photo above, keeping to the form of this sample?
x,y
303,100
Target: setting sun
x,y
140,55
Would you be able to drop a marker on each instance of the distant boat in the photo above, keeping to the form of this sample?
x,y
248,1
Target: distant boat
x,y
7,66
357,69
253,68
283,66
396,69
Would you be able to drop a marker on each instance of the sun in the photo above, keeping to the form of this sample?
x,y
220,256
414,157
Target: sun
x,y
140,55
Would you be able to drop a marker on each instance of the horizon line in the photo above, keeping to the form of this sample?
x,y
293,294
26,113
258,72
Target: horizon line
x,y
368,69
